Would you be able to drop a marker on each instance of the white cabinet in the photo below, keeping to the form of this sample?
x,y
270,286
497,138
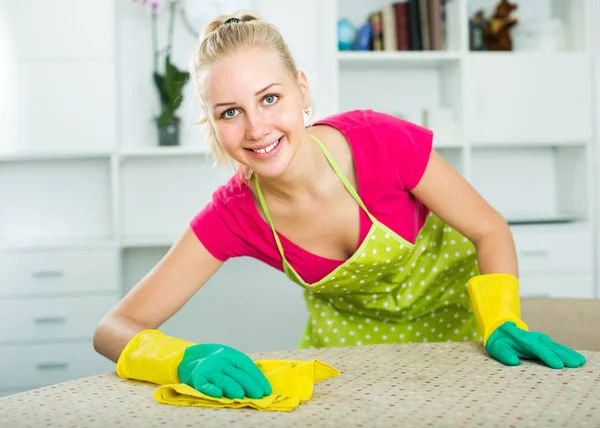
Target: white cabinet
x,y
37,365
59,271
522,125
50,304
90,203
59,264
52,318
556,260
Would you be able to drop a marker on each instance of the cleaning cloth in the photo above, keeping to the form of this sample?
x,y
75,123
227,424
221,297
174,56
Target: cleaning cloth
x,y
292,382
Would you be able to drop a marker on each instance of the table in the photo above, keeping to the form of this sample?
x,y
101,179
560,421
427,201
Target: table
x,y
426,384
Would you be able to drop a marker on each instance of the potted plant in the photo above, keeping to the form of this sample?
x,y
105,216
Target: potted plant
x,y
170,81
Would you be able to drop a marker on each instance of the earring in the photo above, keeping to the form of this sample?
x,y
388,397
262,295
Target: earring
x,y
308,111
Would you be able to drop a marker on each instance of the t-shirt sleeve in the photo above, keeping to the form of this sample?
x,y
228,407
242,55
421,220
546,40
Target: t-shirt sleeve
x,y
215,234
408,146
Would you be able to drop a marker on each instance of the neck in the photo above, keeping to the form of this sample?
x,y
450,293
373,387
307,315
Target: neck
x,y
304,175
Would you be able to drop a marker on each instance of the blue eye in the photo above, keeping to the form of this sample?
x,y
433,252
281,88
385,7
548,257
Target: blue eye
x,y
271,99
227,115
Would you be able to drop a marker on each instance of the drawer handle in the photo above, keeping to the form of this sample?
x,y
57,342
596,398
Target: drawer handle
x,y
52,366
534,253
47,273
49,320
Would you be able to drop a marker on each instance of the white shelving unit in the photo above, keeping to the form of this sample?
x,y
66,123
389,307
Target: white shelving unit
x,y
90,204
524,134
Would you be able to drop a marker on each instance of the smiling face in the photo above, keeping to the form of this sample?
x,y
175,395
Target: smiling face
x,y
256,108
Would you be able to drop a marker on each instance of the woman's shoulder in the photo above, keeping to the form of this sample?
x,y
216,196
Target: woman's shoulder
x,y
361,118
234,191
347,120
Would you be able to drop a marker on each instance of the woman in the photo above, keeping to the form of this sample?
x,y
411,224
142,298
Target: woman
x,y
389,242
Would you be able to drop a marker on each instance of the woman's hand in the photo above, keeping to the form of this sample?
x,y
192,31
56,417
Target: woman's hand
x,y
508,343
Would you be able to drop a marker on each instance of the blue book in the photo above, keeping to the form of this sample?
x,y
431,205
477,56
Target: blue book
x,y
364,37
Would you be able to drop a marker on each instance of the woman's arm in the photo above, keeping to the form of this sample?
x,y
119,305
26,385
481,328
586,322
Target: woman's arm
x,y
495,298
159,295
445,192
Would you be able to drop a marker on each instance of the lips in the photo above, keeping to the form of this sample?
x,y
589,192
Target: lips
x,y
267,149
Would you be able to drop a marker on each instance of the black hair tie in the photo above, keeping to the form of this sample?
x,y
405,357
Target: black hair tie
x,y
232,20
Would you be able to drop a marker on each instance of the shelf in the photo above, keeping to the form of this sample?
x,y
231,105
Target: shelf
x,y
83,155
565,55
534,183
163,151
53,156
434,59
547,228
148,241
399,58
56,200
523,144
446,143
551,221
55,244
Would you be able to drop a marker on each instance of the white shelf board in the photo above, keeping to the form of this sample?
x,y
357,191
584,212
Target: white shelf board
x,y
530,54
541,228
45,245
448,145
439,58
53,156
163,151
150,241
397,58
511,144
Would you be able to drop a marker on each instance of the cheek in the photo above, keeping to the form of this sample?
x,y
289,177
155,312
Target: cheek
x,y
230,135
289,117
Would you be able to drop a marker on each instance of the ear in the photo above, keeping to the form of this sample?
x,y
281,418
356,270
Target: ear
x,y
304,88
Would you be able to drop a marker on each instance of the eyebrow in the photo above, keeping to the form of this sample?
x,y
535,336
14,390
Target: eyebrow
x,y
257,93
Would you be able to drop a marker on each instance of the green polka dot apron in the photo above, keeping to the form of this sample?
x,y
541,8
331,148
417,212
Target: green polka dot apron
x,y
390,290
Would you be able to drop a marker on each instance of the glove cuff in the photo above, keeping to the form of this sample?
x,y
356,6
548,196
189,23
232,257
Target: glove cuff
x,y
152,356
495,300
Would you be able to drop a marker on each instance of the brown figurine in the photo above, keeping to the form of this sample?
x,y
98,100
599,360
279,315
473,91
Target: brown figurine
x,y
496,28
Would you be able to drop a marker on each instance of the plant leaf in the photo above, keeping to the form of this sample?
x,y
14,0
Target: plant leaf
x,y
159,82
175,81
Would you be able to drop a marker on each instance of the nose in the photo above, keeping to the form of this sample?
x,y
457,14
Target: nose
x,y
257,126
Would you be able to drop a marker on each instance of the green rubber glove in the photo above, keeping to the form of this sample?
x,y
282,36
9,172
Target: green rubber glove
x,y
218,370
508,343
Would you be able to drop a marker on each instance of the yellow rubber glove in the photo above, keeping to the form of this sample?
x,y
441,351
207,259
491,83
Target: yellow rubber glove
x,y
152,356
213,369
495,300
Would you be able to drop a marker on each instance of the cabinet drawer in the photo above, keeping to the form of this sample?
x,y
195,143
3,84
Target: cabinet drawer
x,y
42,272
35,366
545,251
25,320
565,286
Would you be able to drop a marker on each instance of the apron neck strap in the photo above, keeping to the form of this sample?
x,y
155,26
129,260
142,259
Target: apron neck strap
x,y
342,177
265,209
338,172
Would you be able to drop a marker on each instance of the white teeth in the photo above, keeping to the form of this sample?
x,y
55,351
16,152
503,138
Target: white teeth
x,y
268,148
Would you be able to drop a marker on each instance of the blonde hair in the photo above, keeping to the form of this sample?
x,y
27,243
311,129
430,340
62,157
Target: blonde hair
x,y
225,35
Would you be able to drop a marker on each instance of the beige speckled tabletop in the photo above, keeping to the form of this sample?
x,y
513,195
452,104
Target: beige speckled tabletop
x,y
421,385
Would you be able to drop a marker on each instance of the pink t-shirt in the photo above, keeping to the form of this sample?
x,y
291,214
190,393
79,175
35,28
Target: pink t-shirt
x,y
390,156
